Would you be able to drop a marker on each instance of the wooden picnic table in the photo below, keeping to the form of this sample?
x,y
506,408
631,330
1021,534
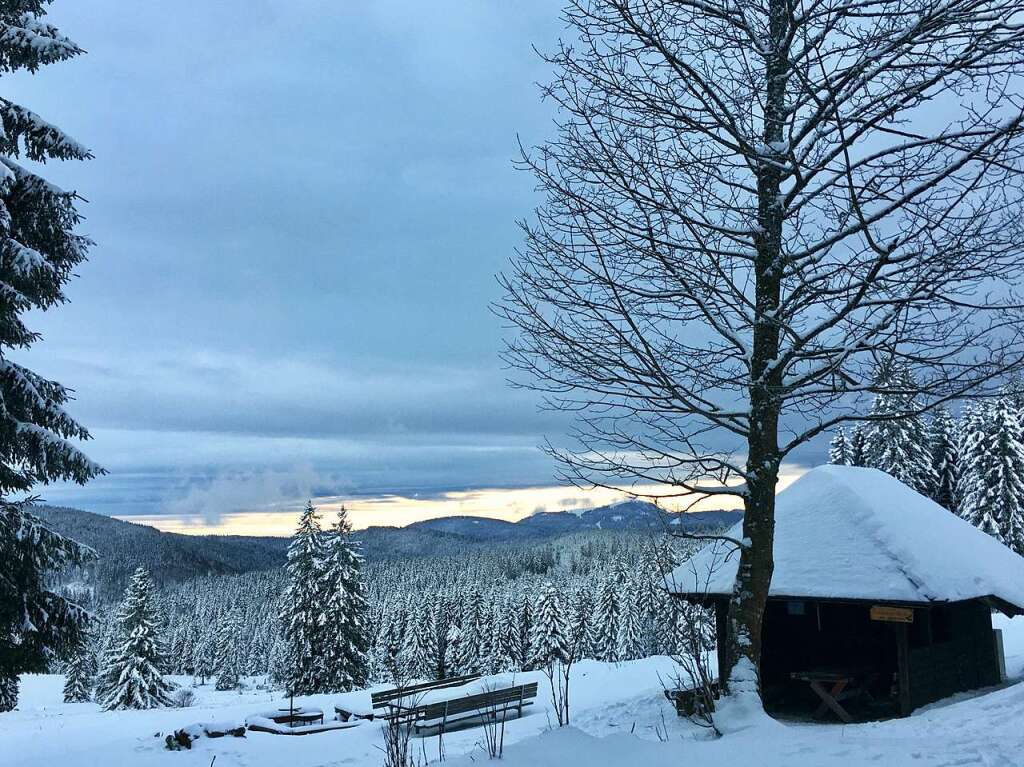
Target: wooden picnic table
x,y
846,684
293,716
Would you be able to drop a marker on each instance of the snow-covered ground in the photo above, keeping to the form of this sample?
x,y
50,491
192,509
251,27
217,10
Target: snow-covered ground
x,y
620,718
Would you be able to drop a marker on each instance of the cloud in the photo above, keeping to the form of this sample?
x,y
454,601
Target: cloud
x,y
244,492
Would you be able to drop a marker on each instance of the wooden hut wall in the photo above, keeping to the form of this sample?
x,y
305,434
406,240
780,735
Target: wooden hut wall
x,y
952,649
948,648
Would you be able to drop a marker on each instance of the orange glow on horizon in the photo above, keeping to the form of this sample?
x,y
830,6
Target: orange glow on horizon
x,y
510,504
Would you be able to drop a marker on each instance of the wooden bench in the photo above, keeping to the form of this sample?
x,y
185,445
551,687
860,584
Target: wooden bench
x,y
381,701
484,705
685,700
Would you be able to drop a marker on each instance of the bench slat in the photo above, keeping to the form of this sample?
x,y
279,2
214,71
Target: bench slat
x,y
483,700
382,698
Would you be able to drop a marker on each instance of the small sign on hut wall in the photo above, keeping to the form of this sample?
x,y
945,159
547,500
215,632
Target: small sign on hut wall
x,y
892,614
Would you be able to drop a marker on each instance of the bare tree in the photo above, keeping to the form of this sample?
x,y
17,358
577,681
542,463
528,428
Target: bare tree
x,y
397,728
695,688
558,670
750,204
493,716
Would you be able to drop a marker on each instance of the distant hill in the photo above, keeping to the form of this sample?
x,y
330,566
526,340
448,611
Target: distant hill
x,y
626,515
172,557
124,546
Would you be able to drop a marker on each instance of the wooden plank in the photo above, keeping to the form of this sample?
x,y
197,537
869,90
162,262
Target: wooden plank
x,y
892,614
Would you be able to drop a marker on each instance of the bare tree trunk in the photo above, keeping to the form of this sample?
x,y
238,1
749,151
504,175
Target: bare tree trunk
x,y
757,562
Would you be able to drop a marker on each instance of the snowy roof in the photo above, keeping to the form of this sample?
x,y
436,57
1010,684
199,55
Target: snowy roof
x,y
850,533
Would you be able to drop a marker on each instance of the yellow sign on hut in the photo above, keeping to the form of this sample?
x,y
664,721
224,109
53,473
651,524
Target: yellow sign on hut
x,y
892,614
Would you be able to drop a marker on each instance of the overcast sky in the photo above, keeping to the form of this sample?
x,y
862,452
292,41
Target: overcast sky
x,y
299,210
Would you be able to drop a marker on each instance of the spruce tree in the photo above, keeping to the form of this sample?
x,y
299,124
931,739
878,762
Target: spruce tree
x,y
391,657
228,656
497,660
896,440
131,675
509,634
856,448
837,449
582,622
442,610
549,640
39,249
1014,391
80,673
36,622
605,638
524,625
204,658
301,614
992,492
420,645
344,611
630,639
454,651
942,445
473,633
665,625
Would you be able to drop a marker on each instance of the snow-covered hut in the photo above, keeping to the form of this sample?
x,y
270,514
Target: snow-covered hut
x,y
873,583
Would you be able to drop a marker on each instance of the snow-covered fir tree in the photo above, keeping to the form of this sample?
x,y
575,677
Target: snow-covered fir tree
x,y
837,448
473,634
39,249
455,652
509,633
856,448
204,658
665,625
391,660
497,660
36,622
346,641
549,640
302,622
418,647
896,441
630,636
1014,391
228,655
991,491
131,674
605,639
582,612
80,673
942,445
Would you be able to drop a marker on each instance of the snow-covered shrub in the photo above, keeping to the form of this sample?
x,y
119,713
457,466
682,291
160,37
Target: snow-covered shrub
x,y
183,697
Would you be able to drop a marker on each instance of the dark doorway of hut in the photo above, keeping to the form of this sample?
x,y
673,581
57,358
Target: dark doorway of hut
x,y
856,661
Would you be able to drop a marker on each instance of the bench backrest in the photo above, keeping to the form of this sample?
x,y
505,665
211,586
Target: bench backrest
x,y
407,695
494,699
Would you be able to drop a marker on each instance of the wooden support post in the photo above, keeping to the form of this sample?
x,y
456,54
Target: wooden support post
x,y
721,629
903,667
